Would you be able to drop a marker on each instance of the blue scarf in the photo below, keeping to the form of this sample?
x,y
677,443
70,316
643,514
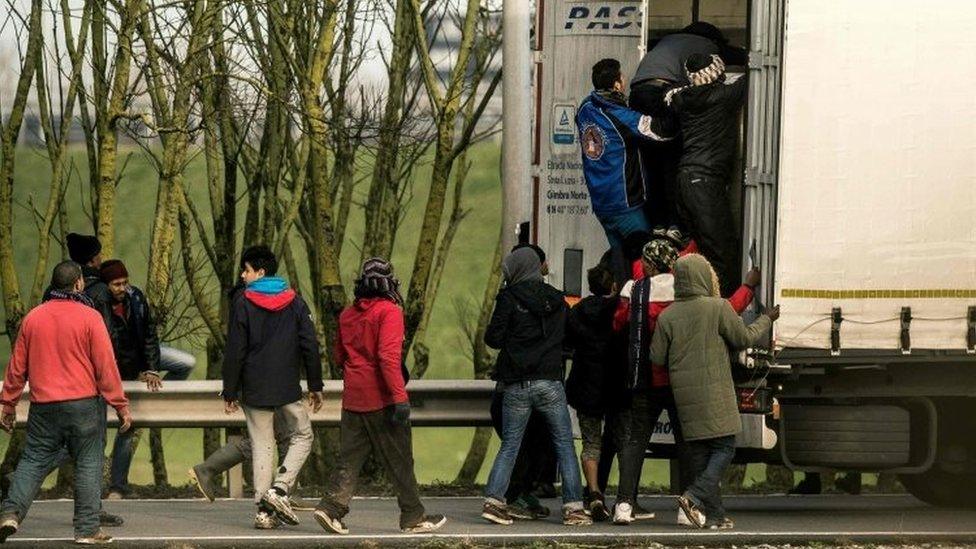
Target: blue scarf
x,y
269,285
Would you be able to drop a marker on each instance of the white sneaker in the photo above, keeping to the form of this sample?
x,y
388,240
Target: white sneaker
x,y
623,514
266,521
281,506
640,513
683,519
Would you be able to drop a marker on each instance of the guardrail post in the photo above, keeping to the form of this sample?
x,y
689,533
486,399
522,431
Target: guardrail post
x,y
235,477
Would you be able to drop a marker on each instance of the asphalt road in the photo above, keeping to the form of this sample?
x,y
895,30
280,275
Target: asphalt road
x,y
759,519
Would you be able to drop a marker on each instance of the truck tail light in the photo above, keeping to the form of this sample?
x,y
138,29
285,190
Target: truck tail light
x,y
754,400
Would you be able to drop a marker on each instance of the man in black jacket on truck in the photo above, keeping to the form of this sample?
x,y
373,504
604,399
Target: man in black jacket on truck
x,y
708,111
661,69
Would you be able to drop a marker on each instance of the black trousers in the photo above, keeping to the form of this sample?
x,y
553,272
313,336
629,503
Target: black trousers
x,y
704,205
646,407
536,461
660,159
361,434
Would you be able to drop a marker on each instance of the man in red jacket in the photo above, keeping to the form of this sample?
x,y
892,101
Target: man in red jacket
x,y
375,409
642,303
64,349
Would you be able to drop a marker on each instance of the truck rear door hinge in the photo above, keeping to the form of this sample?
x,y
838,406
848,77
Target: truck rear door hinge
x,y
906,326
971,331
836,317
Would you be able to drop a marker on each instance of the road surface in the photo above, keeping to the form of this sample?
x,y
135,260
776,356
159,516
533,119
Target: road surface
x,y
759,519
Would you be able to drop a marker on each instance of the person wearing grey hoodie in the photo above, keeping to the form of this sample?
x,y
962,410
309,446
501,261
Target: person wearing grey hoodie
x,y
528,327
693,337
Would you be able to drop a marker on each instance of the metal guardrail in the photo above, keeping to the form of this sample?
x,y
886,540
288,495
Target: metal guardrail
x,y
189,404
434,403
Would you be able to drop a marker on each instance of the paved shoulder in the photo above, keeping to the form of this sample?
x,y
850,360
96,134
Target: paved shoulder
x,y
759,519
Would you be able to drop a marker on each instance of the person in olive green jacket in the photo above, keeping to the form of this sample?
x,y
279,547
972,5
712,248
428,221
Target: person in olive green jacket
x,y
693,337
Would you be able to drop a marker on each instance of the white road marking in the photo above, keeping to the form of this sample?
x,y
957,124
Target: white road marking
x,y
569,535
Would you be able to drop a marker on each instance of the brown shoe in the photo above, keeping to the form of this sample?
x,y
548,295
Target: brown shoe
x,y
98,538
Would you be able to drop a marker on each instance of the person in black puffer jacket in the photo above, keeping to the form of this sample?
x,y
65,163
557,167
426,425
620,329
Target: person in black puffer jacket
x,y
595,385
708,111
528,328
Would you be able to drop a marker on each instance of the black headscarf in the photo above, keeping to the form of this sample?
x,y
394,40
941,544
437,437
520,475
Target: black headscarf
x,y
377,280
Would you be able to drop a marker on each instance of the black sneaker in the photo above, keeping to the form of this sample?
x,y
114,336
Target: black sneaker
x,y
329,523
527,507
428,523
108,519
277,502
598,509
495,511
8,526
691,511
98,538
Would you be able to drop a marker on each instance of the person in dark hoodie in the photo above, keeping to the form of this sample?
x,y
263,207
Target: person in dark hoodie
x,y
595,386
528,327
708,111
661,69
86,250
375,405
609,134
693,337
206,475
269,344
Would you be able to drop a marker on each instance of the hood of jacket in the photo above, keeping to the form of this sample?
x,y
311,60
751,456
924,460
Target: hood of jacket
x,y
606,98
597,308
271,293
694,277
366,303
538,297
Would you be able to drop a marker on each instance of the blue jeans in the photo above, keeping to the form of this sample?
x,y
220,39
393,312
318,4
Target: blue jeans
x,y
519,400
176,363
619,226
709,459
78,425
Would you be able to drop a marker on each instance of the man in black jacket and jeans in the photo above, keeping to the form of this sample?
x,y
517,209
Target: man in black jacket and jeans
x,y
708,111
528,327
136,344
270,342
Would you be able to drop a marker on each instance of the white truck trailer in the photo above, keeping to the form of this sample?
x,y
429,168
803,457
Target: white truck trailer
x,y
856,196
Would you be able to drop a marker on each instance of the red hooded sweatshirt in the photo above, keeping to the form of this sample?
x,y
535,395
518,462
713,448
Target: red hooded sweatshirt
x,y
64,350
369,347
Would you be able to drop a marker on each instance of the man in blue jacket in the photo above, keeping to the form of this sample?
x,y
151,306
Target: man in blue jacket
x,y
612,165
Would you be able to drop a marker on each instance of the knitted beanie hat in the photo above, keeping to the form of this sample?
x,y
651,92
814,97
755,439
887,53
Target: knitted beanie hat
x,y
82,248
113,269
661,253
377,280
704,69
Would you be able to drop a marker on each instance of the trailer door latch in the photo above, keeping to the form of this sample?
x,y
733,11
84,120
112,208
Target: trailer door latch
x,y
835,319
906,326
971,331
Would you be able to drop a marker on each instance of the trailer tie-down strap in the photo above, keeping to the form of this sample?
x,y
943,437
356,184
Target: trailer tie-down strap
x,y
835,319
906,325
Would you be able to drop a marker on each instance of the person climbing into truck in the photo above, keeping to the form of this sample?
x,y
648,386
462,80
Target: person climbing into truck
x,y
641,303
609,134
707,111
693,337
661,69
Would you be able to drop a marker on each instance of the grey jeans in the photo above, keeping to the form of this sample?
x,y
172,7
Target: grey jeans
x,y
260,428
